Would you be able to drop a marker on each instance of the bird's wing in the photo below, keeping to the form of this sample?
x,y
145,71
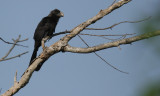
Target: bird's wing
x,y
42,29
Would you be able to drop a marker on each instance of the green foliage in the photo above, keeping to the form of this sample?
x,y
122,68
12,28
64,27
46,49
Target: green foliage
x,y
149,26
152,90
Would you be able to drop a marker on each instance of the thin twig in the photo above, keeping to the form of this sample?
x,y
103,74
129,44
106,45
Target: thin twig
x,y
103,58
60,33
4,58
19,55
103,36
107,35
15,78
13,43
113,2
23,40
118,24
64,32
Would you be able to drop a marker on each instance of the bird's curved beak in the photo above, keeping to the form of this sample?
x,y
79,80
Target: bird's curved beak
x,y
61,14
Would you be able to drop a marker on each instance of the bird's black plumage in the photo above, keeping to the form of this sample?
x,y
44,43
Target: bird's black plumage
x,y
46,27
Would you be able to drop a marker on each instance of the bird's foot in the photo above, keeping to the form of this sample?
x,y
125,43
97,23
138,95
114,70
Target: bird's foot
x,y
44,48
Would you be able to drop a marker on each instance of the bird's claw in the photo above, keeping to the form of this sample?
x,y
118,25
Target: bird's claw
x,y
44,48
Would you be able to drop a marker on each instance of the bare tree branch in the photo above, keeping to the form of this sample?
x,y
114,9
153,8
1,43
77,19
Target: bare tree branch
x,y
4,58
103,58
118,24
113,2
103,36
100,15
23,41
15,79
68,48
60,33
14,43
107,35
19,55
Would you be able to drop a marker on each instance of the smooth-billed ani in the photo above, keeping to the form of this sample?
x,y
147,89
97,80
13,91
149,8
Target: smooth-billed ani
x,y
46,27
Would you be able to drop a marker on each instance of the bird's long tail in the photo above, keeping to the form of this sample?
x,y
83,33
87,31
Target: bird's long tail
x,y
34,54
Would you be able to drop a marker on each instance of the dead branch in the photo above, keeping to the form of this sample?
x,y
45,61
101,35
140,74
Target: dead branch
x,y
60,33
130,40
118,24
122,36
4,58
19,55
100,15
14,43
103,36
102,58
107,35
113,2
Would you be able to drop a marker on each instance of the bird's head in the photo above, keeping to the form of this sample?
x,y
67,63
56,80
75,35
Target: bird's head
x,y
56,12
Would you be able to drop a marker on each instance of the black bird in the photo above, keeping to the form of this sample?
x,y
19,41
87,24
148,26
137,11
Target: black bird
x,y
46,27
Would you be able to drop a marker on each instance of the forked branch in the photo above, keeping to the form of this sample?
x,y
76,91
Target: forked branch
x,y
130,40
4,58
